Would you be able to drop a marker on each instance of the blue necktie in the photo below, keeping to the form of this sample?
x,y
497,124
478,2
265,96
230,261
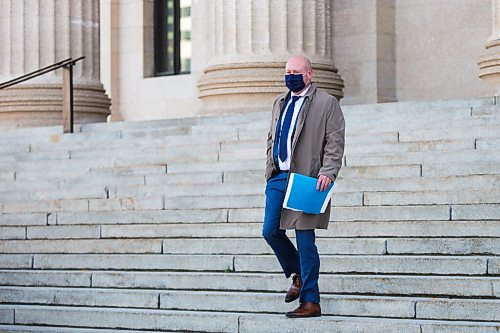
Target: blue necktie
x,y
286,128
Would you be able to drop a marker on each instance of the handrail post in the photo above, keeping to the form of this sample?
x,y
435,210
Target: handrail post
x,y
67,87
68,117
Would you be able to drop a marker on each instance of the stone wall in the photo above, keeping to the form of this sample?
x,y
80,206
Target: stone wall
x,y
385,50
438,45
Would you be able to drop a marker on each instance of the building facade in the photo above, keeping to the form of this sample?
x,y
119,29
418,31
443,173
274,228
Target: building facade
x,y
181,58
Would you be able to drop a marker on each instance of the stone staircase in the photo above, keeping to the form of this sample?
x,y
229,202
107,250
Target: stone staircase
x,y
155,226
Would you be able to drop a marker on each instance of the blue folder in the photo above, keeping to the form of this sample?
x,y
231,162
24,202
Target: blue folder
x,y
302,195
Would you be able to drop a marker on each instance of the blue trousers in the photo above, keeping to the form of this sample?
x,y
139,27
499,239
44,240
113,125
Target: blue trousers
x,y
305,261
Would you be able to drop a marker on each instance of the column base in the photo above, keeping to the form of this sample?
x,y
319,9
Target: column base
x,y
489,65
252,87
34,105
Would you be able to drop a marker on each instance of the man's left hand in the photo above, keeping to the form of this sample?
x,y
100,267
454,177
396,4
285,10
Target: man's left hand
x,y
323,183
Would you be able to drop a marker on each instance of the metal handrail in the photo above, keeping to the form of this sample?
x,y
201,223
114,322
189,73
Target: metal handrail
x,y
67,65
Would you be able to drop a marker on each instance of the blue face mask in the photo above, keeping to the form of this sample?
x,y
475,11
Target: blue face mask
x,y
294,82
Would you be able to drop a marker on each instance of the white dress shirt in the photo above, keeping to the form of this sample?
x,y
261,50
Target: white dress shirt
x,y
285,165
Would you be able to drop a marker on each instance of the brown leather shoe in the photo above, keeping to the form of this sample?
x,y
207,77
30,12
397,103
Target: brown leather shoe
x,y
305,310
294,291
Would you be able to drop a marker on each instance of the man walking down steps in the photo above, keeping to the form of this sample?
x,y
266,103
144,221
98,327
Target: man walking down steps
x,y
306,137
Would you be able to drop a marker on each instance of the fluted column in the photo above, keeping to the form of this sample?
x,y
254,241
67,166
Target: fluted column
x,y
489,62
250,42
38,33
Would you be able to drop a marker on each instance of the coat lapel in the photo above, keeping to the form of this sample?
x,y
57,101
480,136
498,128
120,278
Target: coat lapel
x,y
302,115
277,115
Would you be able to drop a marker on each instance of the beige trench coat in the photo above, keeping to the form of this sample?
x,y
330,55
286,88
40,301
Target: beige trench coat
x,y
317,149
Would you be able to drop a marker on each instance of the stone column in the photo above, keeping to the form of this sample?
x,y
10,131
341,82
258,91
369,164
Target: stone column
x,y
489,62
250,42
38,33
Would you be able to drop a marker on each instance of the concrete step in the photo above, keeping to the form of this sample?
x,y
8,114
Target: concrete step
x,y
445,246
369,325
23,169
335,229
460,169
83,205
58,172
395,108
466,228
37,136
434,121
95,186
401,147
380,191
161,123
134,261
414,233
121,318
391,213
171,166
152,216
48,278
245,201
209,192
66,240
347,207
379,264
193,152
490,131
80,296
488,144
259,246
173,141
125,155
339,305
22,193
26,133
492,156
473,182
355,284
225,195
95,245
22,219
484,129
154,319
477,212
156,229
411,191
391,171
63,164
6,176
87,180
456,246
431,197
55,329
12,233
354,138
157,201
485,110
256,175
443,183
